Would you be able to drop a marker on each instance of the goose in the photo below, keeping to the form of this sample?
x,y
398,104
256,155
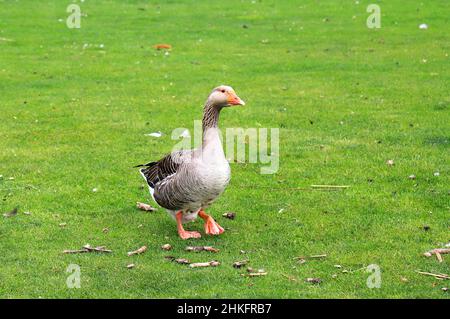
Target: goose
x,y
186,182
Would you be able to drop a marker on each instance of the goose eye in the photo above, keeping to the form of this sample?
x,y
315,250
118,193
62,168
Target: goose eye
x,y
223,91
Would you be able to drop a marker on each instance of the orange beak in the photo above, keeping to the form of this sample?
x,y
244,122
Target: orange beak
x,y
233,99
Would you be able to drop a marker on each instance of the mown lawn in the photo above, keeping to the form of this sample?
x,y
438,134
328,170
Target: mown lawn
x,y
76,105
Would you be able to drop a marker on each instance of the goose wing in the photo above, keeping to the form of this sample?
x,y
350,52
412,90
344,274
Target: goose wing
x,y
155,172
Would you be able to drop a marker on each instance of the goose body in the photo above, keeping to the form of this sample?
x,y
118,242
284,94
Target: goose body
x,y
187,182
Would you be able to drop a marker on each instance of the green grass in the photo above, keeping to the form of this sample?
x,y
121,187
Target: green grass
x,y
73,119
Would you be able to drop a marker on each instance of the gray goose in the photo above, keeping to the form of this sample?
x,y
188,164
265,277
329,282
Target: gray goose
x,y
186,182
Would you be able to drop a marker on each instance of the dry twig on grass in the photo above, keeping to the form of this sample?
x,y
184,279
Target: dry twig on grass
x,y
330,186
212,263
439,276
318,256
88,249
254,274
438,252
182,261
202,248
302,259
141,250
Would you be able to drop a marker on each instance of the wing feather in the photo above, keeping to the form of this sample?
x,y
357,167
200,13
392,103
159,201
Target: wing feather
x,y
155,172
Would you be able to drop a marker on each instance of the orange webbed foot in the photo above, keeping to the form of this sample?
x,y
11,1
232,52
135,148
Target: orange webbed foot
x,y
211,226
184,234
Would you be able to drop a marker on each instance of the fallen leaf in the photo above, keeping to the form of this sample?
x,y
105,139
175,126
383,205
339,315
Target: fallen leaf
x,y
229,215
145,207
166,247
390,162
141,250
130,266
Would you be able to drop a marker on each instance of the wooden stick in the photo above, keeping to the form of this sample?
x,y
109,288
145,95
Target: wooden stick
x,y
212,263
88,249
312,256
254,274
101,249
202,248
182,261
441,276
79,251
437,252
138,251
330,186
318,256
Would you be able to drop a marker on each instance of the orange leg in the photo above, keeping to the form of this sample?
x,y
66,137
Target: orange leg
x,y
184,234
211,226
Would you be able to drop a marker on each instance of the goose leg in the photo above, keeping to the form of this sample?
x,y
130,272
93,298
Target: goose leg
x,y
184,234
211,226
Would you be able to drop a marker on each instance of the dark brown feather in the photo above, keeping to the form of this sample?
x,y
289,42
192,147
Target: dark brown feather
x,y
155,172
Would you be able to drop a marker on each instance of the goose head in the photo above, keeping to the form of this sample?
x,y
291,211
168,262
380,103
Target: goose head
x,y
223,96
